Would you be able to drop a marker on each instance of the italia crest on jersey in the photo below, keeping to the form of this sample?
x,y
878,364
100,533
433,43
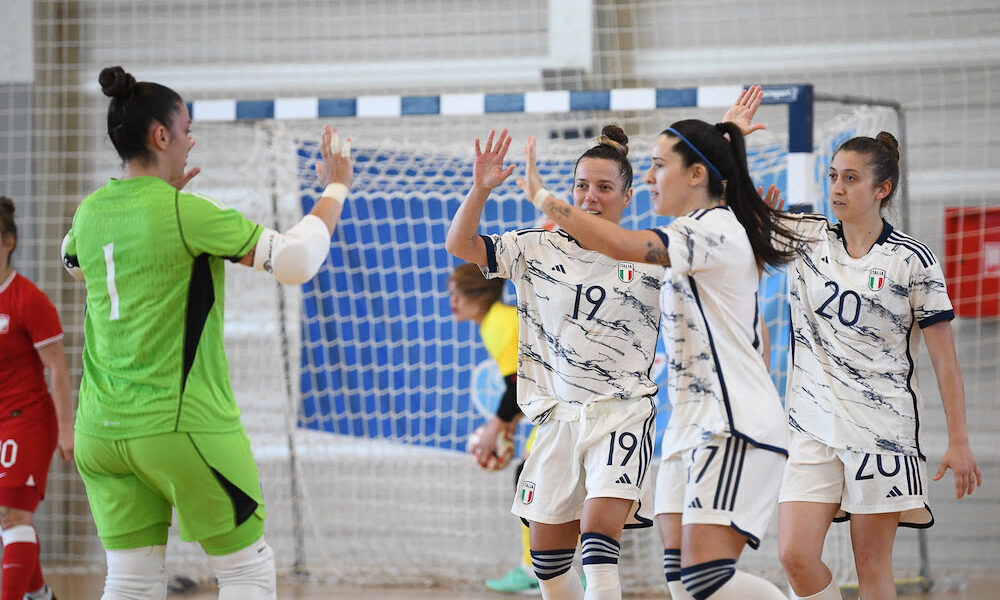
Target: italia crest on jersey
x,y
876,279
527,492
626,271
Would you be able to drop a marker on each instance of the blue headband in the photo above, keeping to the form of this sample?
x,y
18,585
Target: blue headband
x,y
708,163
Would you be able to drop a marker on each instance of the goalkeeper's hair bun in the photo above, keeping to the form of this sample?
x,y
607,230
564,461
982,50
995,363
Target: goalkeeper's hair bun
x,y
116,82
134,108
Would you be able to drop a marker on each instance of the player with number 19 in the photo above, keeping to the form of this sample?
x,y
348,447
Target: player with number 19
x,y
587,338
716,487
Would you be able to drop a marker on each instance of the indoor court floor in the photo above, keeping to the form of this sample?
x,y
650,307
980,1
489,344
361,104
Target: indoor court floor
x,y
88,587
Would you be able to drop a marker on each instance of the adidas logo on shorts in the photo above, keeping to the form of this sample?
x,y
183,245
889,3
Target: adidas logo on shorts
x,y
624,479
894,492
696,503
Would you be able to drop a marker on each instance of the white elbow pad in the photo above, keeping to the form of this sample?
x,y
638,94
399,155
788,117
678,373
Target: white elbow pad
x,y
71,263
293,257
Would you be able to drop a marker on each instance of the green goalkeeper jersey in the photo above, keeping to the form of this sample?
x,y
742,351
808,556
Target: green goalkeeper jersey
x,y
153,356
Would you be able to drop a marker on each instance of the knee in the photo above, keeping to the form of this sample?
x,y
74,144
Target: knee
x,y
247,574
12,517
796,559
136,574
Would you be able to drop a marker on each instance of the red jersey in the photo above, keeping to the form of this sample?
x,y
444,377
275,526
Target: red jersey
x,y
28,321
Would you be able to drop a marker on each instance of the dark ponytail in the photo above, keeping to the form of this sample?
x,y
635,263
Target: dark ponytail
x,y
725,160
612,145
134,108
7,225
882,155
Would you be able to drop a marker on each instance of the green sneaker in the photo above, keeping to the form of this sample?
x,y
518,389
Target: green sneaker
x,y
516,581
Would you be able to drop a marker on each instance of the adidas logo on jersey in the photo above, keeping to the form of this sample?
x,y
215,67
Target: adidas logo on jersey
x,y
894,492
624,479
696,503
559,268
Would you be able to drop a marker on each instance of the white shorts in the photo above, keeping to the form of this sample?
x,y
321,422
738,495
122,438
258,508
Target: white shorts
x,y
727,481
606,452
864,484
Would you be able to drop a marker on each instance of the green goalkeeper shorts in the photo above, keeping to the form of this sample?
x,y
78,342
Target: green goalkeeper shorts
x,y
211,479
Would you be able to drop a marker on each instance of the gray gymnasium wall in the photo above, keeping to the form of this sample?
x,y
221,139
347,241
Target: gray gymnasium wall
x,y
16,70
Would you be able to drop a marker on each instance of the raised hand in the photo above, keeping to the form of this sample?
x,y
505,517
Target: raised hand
x,y
532,181
742,111
488,170
336,166
773,197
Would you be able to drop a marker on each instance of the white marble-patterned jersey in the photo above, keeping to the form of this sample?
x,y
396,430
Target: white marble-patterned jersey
x,y
853,383
588,323
718,381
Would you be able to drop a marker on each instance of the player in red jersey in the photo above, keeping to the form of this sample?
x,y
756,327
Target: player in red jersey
x,y
33,423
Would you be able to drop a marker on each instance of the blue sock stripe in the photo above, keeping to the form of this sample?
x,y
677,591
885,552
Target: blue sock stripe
x,y
599,549
551,563
672,564
703,580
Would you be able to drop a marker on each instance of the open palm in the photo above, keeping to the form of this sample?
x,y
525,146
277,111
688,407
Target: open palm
x,y
488,170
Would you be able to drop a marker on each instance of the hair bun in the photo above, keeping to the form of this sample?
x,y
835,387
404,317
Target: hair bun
x,y
116,82
614,136
7,204
889,141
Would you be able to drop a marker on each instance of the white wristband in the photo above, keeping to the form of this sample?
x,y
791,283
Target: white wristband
x,y
540,197
337,191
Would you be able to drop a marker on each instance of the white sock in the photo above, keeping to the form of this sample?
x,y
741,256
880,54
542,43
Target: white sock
x,y
247,574
603,582
678,591
136,574
744,586
562,587
830,592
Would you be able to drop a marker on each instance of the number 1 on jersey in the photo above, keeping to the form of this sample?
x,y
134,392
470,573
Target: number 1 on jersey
x,y
109,262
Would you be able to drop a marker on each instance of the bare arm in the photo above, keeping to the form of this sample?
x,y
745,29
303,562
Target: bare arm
x,y
958,456
488,172
54,358
592,231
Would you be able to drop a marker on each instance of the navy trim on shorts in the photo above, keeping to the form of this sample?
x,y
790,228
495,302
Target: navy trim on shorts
x,y
752,540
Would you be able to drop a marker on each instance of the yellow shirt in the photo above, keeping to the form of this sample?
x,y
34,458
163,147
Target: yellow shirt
x,y
499,333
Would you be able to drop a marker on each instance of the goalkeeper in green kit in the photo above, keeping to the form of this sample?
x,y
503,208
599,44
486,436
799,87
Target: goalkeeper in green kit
x,y
157,425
